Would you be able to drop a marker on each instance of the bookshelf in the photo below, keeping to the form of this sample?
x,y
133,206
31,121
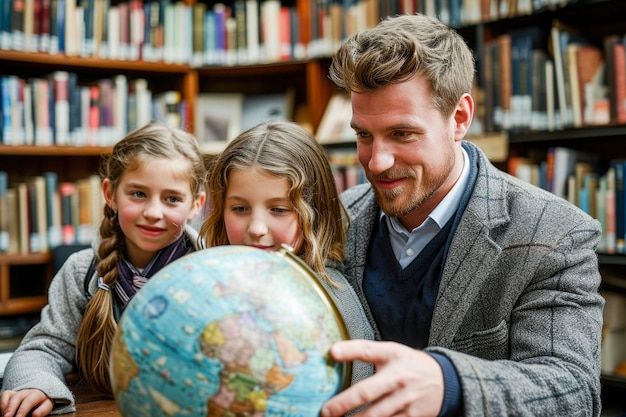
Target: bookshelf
x,y
599,133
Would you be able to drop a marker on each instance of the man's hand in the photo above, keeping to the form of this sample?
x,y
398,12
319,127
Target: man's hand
x,y
407,381
21,403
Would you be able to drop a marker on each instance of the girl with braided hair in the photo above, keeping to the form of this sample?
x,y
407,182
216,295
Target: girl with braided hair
x,y
153,184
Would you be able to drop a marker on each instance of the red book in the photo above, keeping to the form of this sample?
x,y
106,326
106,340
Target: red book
x,y
94,114
44,26
619,57
284,26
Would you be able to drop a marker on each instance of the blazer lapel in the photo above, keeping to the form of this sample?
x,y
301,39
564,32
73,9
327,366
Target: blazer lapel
x,y
472,254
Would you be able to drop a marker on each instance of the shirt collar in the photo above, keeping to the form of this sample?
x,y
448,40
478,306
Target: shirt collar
x,y
446,208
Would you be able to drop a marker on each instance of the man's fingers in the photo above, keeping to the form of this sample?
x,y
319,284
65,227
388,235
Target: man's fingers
x,y
366,351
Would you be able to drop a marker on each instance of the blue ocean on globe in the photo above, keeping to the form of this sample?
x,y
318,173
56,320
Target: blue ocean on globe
x,y
228,331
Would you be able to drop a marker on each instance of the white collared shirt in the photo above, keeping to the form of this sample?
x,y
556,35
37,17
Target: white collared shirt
x,y
406,246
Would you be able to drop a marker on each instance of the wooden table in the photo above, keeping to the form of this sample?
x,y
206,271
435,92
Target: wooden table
x,y
90,402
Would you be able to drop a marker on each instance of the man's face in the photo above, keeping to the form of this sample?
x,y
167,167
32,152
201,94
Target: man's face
x,y
410,153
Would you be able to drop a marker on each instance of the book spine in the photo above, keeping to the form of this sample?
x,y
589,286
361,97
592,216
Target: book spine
x,y
67,191
53,210
4,212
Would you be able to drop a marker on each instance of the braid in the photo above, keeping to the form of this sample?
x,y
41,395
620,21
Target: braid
x,y
97,330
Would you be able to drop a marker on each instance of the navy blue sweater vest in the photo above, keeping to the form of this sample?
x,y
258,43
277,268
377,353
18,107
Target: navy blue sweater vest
x,y
402,300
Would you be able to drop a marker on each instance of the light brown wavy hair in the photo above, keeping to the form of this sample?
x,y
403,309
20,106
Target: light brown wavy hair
x,y
400,48
96,332
284,149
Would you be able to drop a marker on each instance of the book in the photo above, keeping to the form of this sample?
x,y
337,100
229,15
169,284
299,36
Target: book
x,y
106,104
61,107
609,208
591,84
620,203
17,25
29,110
71,28
44,26
166,108
23,214
30,39
335,123
53,210
523,43
270,29
38,223
138,87
89,208
252,30
120,107
94,116
136,29
504,80
4,212
6,8
53,46
258,108
14,220
619,54
199,11
218,119
67,190
41,106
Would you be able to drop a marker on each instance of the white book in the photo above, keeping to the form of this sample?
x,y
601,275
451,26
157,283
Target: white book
x,y
170,29
252,29
71,29
61,107
144,101
120,107
16,88
113,32
270,16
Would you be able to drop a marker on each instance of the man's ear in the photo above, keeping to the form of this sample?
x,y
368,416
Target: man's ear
x,y
463,116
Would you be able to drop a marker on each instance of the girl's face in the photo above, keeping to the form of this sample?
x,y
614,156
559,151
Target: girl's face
x,y
258,211
153,203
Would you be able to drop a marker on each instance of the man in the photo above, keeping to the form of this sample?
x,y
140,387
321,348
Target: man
x,y
482,288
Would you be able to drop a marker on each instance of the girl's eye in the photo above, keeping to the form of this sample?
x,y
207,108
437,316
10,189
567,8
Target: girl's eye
x,y
138,194
173,200
238,209
280,210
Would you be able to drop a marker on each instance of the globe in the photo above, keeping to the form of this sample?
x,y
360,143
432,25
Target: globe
x,y
228,331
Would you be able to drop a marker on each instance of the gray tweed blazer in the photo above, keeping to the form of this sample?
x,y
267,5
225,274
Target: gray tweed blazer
x,y
518,310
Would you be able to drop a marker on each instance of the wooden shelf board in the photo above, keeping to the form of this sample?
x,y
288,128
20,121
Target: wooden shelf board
x,y
28,259
33,150
23,305
60,61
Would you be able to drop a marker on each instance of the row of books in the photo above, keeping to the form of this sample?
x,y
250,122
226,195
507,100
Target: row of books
x,y
579,178
40,213
572,84
346,168
235,32
56,110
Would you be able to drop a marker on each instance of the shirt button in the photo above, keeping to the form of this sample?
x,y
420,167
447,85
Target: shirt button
x,y
410,252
